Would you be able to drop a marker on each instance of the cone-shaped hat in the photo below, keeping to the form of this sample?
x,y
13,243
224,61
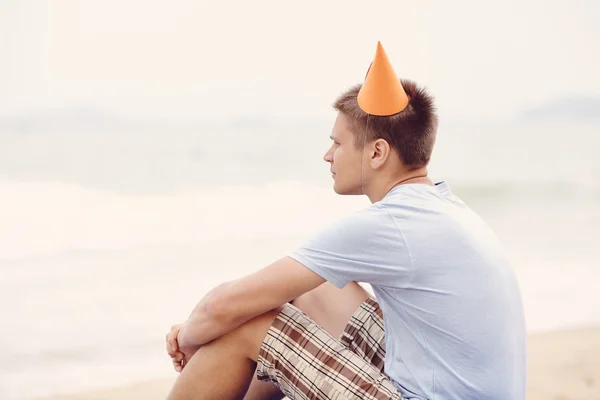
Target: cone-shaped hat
x,y
382,93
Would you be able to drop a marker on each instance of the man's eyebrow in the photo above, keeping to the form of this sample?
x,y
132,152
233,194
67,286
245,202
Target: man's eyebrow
x,y
331,137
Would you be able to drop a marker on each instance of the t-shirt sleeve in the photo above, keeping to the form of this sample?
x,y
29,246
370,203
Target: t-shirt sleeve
x,y
365,247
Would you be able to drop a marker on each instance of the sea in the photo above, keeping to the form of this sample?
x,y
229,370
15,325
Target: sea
x,y
112,229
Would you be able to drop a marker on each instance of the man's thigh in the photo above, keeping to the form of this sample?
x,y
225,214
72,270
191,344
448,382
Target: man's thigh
x,y
307,361
350,314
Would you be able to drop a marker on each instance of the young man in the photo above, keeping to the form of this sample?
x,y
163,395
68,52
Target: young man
x,y
447,321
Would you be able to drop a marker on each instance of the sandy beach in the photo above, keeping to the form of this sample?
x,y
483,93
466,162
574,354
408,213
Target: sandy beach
x,y
563,365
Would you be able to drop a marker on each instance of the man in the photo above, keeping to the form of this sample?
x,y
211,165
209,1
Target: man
x,y
447,321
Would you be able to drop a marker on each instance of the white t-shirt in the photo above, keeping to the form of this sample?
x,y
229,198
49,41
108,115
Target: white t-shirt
x,y
453,313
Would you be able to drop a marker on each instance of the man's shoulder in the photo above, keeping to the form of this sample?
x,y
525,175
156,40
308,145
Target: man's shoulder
x,y
371,217
359,228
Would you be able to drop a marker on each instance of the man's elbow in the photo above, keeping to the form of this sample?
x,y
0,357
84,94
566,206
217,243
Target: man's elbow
x,y
209,320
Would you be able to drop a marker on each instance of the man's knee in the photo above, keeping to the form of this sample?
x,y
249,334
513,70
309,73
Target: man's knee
x,y
251,335
331,307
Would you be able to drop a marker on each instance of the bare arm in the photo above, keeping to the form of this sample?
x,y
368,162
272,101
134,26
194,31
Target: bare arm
x,y
231,304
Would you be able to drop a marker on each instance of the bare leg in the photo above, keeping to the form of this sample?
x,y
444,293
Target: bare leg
x,y
224,369
260,390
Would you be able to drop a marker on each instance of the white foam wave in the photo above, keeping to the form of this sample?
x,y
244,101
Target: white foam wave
x,y
45,218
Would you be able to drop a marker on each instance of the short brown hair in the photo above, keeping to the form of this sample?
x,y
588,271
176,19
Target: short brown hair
x,y
411,132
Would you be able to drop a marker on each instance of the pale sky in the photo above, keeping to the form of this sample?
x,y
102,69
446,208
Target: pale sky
x,y
201,59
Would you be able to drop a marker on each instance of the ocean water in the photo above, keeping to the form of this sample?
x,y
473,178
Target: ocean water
x,y
110,234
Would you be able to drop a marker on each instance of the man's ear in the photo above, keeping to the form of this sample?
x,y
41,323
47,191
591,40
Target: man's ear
x,y
380,151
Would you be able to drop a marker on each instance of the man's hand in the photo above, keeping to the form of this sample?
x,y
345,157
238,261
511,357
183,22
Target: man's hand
x,y
177,356
179,352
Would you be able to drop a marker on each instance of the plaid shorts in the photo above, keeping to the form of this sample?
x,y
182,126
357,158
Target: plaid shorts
x,y
306,362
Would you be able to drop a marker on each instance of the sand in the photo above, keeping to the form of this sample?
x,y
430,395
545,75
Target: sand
x,y
563,365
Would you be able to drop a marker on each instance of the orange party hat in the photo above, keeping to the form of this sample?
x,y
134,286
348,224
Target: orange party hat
x,y
382,93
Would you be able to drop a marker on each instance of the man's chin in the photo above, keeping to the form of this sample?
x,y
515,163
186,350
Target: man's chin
x,y
337,189
346,191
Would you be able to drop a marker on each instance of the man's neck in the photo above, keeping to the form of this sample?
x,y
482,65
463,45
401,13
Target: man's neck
x,y
414,177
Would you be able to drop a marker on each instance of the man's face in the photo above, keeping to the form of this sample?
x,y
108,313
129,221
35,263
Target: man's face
x,y
344,158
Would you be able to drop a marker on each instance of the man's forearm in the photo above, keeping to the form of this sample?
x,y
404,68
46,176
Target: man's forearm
x,y
230,305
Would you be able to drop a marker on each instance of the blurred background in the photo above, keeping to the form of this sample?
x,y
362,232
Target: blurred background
x,y
150,150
